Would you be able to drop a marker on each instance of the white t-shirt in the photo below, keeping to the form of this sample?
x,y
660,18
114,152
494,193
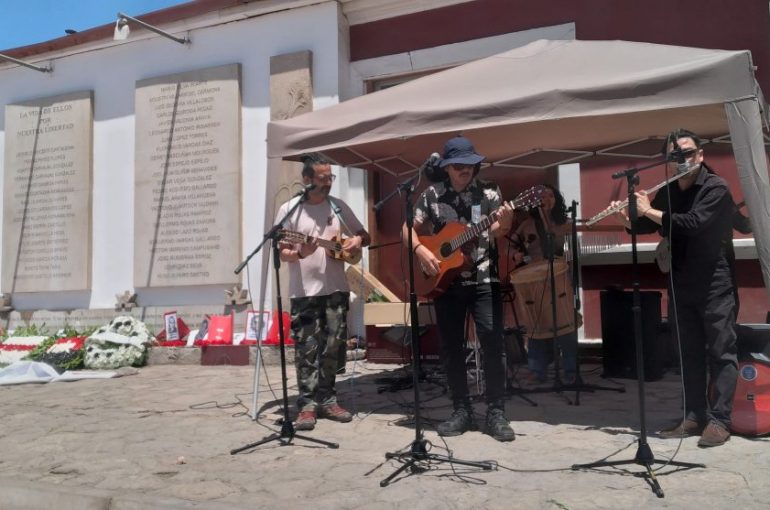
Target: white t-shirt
x,y
318,274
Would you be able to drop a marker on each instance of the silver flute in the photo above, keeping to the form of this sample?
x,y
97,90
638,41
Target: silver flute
x,y
681,172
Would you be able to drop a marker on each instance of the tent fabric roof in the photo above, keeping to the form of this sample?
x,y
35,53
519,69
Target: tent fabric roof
x,y
571,95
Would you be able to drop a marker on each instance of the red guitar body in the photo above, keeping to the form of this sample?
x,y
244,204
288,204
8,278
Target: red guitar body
x,y
751,406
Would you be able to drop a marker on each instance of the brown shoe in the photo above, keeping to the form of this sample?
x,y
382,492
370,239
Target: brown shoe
x,y
335,413
685,428
715,434
305,420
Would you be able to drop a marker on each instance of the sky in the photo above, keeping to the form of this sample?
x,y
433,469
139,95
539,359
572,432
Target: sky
x,y
24,22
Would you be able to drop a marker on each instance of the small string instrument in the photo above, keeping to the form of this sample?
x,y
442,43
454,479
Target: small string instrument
x,y
332,246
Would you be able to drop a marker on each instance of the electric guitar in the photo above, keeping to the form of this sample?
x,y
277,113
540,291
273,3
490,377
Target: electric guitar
x,y
332,246
446,245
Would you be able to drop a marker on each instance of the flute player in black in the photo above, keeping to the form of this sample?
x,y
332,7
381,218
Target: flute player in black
x,y
699,228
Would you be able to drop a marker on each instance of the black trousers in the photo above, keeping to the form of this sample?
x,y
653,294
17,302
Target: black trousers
x,y
709,349
485,304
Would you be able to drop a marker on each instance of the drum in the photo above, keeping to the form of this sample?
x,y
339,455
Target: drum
x,y
533,299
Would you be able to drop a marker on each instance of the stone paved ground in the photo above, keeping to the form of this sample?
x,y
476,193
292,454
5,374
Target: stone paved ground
x,y
123,438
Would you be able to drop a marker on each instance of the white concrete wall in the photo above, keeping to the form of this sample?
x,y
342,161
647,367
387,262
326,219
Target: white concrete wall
x,y
112,73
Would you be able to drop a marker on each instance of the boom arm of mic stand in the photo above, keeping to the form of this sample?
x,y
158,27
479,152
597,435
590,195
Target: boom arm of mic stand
x,y
636,169
407,185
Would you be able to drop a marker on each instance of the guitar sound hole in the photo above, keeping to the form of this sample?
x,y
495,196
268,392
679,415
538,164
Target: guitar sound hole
x,y
446,250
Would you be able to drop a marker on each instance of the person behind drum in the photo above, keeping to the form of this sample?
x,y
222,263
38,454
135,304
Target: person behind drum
x,y
530,245
459,196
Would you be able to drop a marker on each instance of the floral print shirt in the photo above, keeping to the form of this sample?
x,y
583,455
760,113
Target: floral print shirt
x,y
440,204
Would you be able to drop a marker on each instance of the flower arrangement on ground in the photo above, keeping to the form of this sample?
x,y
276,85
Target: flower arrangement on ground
x,y
123,342
20,343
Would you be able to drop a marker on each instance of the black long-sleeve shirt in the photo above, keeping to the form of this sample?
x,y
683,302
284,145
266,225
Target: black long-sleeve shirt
x,y
700,230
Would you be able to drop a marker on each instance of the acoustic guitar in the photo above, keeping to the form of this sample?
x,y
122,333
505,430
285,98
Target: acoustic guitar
x,y
332,246
446,245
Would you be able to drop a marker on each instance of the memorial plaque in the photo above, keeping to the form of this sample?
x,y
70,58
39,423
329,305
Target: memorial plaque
x,y
47,194
188,168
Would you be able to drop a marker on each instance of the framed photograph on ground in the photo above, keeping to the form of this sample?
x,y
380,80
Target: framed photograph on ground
x,y
171,326
252,323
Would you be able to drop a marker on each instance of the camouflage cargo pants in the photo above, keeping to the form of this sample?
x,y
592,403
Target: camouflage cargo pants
x,y
319,326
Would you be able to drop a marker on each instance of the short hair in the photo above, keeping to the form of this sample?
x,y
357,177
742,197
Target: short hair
x,y
310,160
680,133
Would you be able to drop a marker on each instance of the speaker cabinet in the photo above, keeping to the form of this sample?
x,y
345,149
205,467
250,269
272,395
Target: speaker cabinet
x,y
618,348
393,344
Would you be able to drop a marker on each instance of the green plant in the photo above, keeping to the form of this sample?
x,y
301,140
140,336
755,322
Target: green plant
x,y
31,330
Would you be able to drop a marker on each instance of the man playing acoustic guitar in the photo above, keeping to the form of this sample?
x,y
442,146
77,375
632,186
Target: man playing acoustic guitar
x,y
461,197
319,290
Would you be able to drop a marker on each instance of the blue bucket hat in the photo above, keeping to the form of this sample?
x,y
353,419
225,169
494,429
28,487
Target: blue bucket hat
x,y
460,150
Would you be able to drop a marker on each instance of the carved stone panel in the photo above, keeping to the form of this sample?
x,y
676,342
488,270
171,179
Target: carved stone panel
x,y
47,194
291,94
188,167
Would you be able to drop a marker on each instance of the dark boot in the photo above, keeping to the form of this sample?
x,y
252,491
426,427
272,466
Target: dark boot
x,y
460,422
498,426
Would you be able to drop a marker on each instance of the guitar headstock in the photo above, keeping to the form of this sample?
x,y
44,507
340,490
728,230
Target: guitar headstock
x,y
530,198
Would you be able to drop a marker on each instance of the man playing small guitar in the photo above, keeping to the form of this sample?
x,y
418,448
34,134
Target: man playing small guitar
x,y
460,197
318,289
333,246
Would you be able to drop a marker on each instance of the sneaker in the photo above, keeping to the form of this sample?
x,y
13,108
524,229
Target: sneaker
x,y
305,420
335,412
498,426
715,434
685,428
460,422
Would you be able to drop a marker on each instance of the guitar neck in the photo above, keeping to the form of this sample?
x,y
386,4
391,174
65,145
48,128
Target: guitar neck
x,y
302,238
474,230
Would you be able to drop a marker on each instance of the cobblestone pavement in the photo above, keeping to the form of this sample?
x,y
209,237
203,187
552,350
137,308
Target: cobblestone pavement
x,y
162,439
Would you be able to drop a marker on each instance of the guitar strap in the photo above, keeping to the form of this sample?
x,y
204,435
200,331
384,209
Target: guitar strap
x,y
480,201
338,212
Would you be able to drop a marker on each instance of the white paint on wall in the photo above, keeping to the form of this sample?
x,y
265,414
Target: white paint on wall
x,y
112,71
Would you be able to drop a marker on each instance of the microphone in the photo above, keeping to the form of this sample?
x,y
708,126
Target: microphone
x,y
431,170
430,162
306,189
681,155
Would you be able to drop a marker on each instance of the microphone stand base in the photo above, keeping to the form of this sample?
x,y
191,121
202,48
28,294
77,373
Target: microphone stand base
x,y
645,458
415,459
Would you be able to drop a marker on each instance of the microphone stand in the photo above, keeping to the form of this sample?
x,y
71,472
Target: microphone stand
x,y
418,455
287,433
557,386
644,455
579,385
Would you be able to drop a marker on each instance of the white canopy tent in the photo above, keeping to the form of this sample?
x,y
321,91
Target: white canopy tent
x,y
576,98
